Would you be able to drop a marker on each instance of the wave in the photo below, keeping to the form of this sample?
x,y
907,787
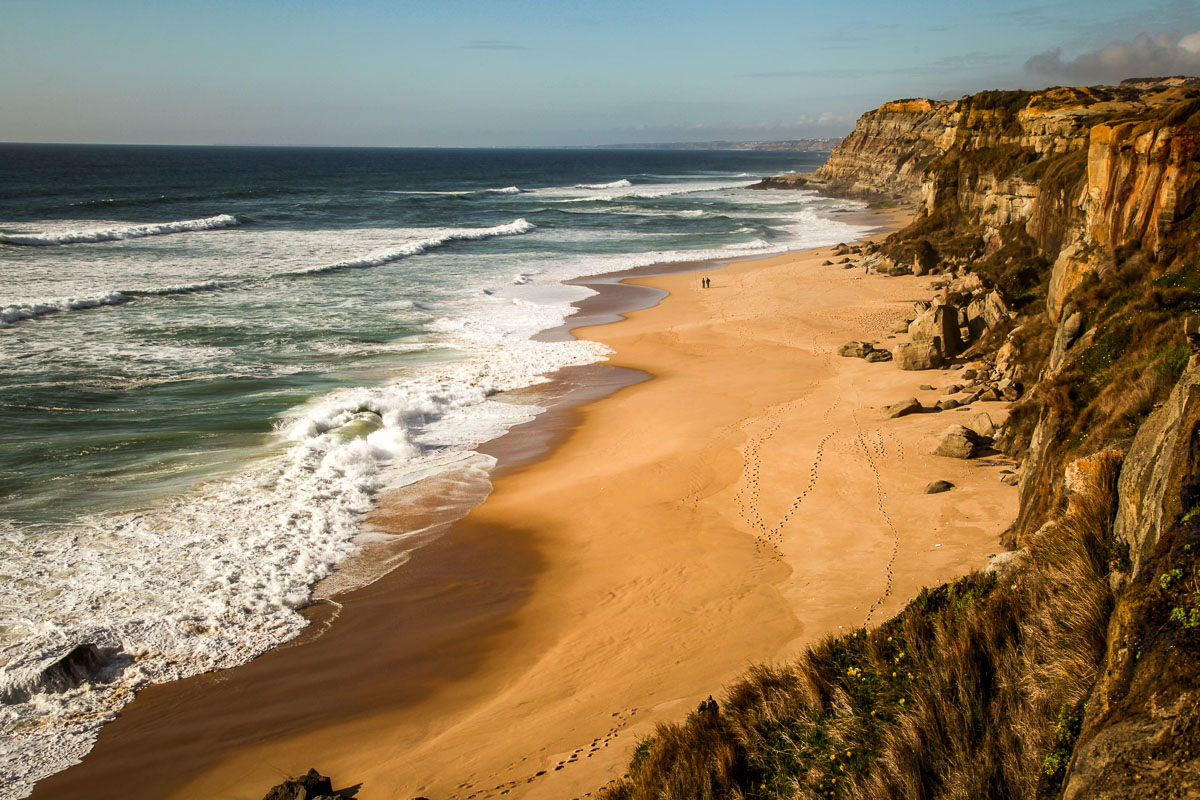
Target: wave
x,y
419,246
505,190
46,238
160,586
40,308
621,184
19,312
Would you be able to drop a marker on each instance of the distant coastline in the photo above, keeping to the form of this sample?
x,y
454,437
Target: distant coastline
x,y
799,145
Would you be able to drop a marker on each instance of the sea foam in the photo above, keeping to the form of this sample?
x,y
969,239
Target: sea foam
x,y
49,238
424,244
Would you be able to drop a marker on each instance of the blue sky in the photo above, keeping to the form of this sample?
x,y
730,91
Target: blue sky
x,y
516,72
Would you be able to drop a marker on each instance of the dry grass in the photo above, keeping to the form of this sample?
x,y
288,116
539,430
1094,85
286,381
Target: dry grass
x,y
956,697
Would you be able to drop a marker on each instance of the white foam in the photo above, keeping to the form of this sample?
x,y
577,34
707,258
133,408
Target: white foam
x,y
436,238
40,308
505,190
112,234
213,579
621,184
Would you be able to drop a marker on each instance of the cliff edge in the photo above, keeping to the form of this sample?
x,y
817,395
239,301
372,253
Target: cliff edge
x,y
1067,225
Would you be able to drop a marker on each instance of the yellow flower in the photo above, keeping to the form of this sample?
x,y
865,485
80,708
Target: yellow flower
x,y
901,701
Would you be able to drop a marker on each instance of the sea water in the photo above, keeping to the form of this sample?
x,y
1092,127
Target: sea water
x,y
213,359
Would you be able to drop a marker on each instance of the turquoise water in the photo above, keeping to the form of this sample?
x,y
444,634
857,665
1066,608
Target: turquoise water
x,y
214,358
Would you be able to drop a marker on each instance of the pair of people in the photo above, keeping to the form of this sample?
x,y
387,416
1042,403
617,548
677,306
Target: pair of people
x,y
705,283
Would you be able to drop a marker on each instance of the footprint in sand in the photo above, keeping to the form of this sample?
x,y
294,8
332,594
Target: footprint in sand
x,y
868,452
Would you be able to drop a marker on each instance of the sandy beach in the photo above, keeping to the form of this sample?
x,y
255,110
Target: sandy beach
x,y
651,545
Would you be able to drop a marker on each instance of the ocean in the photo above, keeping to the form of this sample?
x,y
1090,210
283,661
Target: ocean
x,y
214,359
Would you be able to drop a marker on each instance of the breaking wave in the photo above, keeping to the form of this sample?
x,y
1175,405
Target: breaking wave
x,y
49,238
418,246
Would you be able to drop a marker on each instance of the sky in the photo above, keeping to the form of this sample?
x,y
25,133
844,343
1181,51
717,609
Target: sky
x,y
469,73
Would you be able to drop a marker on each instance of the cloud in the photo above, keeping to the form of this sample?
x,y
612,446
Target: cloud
x,y
493,44
1144,57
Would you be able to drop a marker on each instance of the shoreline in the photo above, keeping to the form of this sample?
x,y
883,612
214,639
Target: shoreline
x,y
499,619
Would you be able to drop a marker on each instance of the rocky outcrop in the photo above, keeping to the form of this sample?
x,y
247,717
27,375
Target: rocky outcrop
x,y
888,151
311,786
937,323
794,180
1161,478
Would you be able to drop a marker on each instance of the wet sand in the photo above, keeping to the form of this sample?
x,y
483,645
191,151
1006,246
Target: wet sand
x,y
638,553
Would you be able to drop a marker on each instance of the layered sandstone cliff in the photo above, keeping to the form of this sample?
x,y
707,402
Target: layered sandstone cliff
x,y
1069,667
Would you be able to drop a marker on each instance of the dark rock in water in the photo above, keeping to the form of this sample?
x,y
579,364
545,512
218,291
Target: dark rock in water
x,y
306,787
937,487
76,668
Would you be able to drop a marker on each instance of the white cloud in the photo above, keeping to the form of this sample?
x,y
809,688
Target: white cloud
x,y
1144,57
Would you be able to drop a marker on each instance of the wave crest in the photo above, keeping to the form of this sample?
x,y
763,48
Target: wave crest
x,y
621,184
414,248
46,238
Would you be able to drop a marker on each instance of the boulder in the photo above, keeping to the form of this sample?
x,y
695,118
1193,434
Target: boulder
x,y
982,424
969,374
921,305
1002,562
946,404
995,309
989,395
937,322
900,326
910,406
826,263
918,355
1011,479
967,284
1065,336
958,442
937,487
855,349
876,356
925,387
306,787
1009,389
953,388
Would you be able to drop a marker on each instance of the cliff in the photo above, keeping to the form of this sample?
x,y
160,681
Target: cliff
x,y
1067,225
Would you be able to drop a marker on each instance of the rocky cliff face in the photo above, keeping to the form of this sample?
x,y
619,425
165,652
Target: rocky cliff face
x,y
1075,213
889,149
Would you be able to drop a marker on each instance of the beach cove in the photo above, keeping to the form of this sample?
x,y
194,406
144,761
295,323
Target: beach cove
x,y
745,501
